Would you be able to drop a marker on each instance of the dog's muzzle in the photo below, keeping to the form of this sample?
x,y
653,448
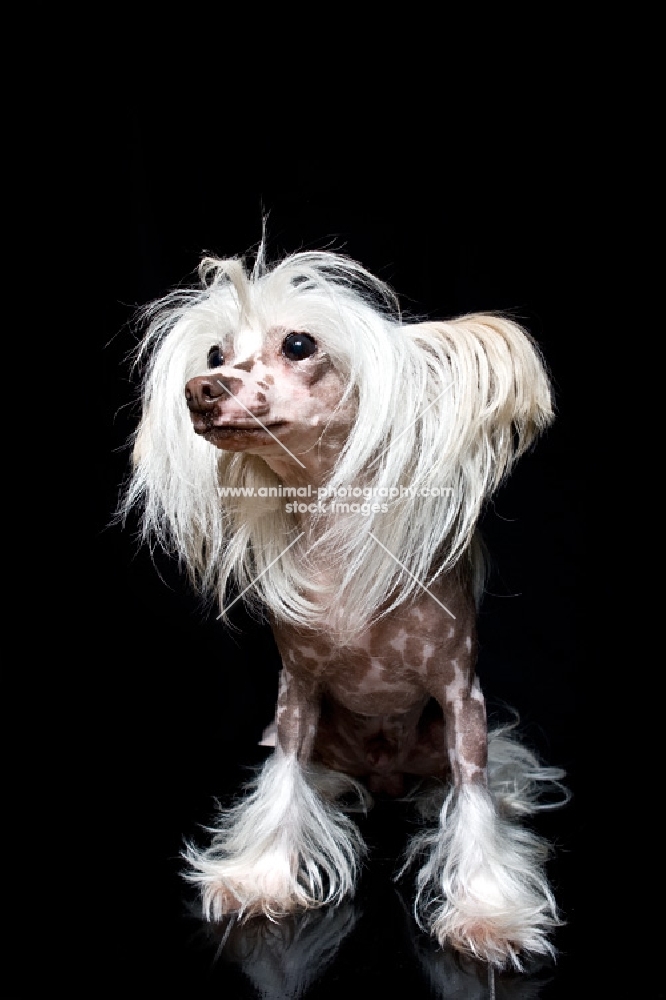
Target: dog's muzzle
x,y
203,392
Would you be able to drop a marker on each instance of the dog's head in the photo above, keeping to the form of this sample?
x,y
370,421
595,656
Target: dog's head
x,y
308,370
275,393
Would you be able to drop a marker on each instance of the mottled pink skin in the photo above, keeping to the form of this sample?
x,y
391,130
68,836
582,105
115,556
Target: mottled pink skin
x,y
366,708
401,698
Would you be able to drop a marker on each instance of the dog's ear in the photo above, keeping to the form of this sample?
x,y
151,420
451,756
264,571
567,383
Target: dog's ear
x,y
500,397
514,389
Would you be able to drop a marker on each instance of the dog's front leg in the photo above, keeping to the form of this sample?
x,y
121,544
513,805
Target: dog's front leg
x,y
282,847
482,888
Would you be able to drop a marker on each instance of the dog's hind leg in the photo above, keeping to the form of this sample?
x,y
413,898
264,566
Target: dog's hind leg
x,y
482,887
283,847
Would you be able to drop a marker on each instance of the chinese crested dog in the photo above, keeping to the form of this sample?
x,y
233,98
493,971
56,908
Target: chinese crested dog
x,y
301,439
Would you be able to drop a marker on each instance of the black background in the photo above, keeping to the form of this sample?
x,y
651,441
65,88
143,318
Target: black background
x,y
177,704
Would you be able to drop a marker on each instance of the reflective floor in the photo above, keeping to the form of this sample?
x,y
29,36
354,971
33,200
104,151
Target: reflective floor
x,y
367,946
172,724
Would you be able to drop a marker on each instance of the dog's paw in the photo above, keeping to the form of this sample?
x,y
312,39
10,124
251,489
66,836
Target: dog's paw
x,y
501,940
219,901
482,940
483,889
226,898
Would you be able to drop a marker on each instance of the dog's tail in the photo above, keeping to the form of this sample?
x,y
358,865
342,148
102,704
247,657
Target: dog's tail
x,y
518,781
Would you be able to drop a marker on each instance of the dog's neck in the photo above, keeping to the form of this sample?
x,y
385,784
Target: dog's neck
x,y
312,467
317,467
314,470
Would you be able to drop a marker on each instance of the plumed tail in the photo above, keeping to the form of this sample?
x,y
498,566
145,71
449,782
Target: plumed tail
x,y
518,781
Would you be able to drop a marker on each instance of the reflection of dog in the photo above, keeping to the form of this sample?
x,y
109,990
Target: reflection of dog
x,y
286,383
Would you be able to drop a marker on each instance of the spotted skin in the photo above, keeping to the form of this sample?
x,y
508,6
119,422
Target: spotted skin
x,y
400,700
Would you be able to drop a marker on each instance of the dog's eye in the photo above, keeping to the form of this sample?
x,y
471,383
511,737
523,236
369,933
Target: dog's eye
x,y
215,358
297,346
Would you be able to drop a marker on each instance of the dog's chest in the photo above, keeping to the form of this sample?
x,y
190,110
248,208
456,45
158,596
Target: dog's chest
x,y
387,669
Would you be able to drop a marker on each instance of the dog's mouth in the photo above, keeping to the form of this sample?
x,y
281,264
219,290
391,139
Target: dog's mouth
x,y
216,431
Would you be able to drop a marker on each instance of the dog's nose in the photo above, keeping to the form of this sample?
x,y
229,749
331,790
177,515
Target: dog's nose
x,y
202,392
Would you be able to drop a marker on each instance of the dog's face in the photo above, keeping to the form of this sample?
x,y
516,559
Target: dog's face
x,y
281,382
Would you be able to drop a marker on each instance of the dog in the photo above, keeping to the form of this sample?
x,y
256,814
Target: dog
x,y
302,439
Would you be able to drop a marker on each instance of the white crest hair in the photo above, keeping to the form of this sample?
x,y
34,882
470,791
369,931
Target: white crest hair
x,y
444,404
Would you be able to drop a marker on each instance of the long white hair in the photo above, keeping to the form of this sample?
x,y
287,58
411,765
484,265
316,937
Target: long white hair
x,y
449,405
